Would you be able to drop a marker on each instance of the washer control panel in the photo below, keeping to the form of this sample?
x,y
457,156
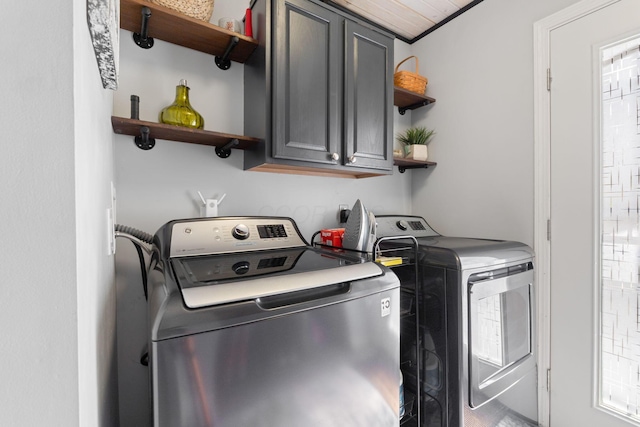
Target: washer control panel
x,y
233,234
403,225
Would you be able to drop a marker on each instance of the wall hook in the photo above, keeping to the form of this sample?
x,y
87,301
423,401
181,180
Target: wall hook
x,y
224,62
143,141
142,39
225,151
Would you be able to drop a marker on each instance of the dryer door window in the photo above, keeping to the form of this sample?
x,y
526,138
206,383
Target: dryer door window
x,y
500,331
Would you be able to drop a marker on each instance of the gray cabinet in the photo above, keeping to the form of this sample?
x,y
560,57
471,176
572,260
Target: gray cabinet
x,y
307,82
368,115
319,91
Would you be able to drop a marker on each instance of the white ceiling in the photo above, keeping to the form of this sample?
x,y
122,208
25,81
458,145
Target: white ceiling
x,y
407,19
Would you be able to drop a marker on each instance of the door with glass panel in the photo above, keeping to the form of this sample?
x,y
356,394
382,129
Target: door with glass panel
x,y
595,219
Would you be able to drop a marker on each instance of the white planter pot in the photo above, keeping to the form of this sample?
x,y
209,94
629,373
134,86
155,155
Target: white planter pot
x,y
416,152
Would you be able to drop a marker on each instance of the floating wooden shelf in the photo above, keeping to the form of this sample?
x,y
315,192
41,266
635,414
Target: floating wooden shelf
x,y
404,164
407,100
174,27
124,126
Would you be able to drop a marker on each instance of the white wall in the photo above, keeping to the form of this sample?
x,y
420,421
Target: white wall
x,y
159,185
49,332
38,353
96,292
480,70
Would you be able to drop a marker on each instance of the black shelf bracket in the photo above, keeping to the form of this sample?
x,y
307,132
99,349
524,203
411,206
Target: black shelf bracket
x,y
403,110
144,142
225,151
401,169
223,62
142,38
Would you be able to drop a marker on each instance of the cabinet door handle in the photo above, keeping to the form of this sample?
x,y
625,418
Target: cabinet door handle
x,y
352,159
335,156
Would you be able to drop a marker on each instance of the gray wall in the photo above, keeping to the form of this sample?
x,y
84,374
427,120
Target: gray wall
x,y
57,310
480,70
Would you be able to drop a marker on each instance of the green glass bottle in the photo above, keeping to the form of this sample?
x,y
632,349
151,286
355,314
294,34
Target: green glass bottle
x,y
181,113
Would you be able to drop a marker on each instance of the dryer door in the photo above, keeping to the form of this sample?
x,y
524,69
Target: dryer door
x,y
500,330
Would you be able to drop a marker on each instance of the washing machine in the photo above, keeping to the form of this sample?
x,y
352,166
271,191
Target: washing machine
x,y
474,339
251,326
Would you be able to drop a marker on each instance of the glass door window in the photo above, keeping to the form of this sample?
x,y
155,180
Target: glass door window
x,y
619,355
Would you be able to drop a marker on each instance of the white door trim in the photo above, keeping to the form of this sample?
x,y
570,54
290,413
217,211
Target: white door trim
x,y
542,180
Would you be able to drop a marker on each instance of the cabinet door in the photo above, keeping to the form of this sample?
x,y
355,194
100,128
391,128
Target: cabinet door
x,y
368,115
307,105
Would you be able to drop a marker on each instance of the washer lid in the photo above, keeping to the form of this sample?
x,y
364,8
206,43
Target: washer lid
x,y
466,253
452,252
218,279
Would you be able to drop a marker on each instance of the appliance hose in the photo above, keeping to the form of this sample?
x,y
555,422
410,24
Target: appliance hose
x,y
140,240
313,238
141,235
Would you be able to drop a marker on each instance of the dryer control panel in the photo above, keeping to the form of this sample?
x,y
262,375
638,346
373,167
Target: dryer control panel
x,y
403,225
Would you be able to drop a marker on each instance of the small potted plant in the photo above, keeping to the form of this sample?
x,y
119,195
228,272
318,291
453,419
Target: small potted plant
x,y
415,140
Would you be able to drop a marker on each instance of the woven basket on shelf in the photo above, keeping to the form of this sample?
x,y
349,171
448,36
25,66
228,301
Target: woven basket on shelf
x,y
199,9
408,80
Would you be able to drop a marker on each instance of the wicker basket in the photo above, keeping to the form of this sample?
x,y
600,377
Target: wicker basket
x,y
199,9
408,80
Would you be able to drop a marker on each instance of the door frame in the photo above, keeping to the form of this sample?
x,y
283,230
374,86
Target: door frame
x,y
542,185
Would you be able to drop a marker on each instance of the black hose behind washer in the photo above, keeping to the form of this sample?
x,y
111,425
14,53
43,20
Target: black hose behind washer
x,y
137,237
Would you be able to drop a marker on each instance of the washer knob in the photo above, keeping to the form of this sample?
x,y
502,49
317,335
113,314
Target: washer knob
x,y
240,232
402,225
241,267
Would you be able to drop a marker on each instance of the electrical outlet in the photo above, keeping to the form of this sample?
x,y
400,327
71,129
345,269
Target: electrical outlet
x,y
111,238
111,223
341,217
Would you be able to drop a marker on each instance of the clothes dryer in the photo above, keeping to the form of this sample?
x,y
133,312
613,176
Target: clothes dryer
x,y
476,328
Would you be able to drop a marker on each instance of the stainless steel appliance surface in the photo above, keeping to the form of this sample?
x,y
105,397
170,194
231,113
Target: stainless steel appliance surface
x,y
251,326
476,327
